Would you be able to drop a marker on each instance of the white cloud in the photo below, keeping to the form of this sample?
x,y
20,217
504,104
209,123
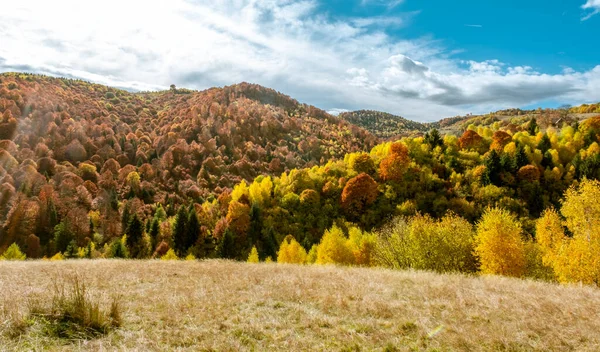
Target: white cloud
x,y
390,4
333,63
593,5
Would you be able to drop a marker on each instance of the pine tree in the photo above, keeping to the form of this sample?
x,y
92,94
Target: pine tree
x,y
180,231
117,249
125,218
13,253
545,144
135,237
547,160
226,248
71,251
533,127
434,139
62,236
492,169
520,157
269,243
256,225
154,231
253,257
193,228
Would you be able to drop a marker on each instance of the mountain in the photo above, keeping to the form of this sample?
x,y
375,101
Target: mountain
x,y
181,142
384,125
390,127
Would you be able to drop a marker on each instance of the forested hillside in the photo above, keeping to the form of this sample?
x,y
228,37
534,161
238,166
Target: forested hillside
x,y
68,147
90,171
384,125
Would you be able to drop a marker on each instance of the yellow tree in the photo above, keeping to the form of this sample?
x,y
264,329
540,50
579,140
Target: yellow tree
x,y
291,251
334,249
499,244
253,257
574,259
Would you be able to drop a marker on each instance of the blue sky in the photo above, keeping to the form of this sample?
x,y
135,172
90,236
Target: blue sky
x,y
423,59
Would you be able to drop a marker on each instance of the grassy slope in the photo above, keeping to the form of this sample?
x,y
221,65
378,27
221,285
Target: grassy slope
x,y
217,305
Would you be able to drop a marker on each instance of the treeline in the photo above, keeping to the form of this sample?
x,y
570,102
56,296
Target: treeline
x,y
105,207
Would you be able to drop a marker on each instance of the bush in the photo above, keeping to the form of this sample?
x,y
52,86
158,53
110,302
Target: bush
x,y
190,257
118,249
291,251
13,253
423,243
74,315
253,257
170,255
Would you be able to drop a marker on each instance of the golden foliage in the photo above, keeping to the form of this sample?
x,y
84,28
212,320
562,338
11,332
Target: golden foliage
x,y
291,251
499,244
253,257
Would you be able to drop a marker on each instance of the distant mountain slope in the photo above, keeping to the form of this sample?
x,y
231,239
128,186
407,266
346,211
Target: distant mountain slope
x,y
384,125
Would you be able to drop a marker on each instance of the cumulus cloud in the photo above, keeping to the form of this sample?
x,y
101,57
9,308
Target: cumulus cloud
x,y
336,63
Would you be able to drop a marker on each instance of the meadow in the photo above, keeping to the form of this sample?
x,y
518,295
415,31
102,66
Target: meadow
x,y
217,305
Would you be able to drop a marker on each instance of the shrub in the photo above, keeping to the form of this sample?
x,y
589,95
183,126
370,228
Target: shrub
x,y
118,248
291,251
253,257
74,315
423,243
170,255
58,256
13,253
190,257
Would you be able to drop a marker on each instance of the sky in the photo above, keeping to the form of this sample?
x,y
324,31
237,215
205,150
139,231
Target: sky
x,y
422,59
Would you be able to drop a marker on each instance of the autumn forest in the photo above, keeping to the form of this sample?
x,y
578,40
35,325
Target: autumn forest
x,y
246,173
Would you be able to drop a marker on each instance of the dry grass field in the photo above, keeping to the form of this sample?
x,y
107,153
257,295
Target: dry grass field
x,y
228,306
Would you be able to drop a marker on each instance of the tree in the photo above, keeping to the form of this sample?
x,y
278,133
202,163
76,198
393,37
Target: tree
x,y
291,251
574,259
62,236
358,194
532,127
521,157
434,139
499,244
135,237
394,165
226,247
361,162
118,249
424,243
180,231
491,175
499,140
13,253
253,257
125,217
32,246
529,173
471,140
154,232
334,249
545,144
193,227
